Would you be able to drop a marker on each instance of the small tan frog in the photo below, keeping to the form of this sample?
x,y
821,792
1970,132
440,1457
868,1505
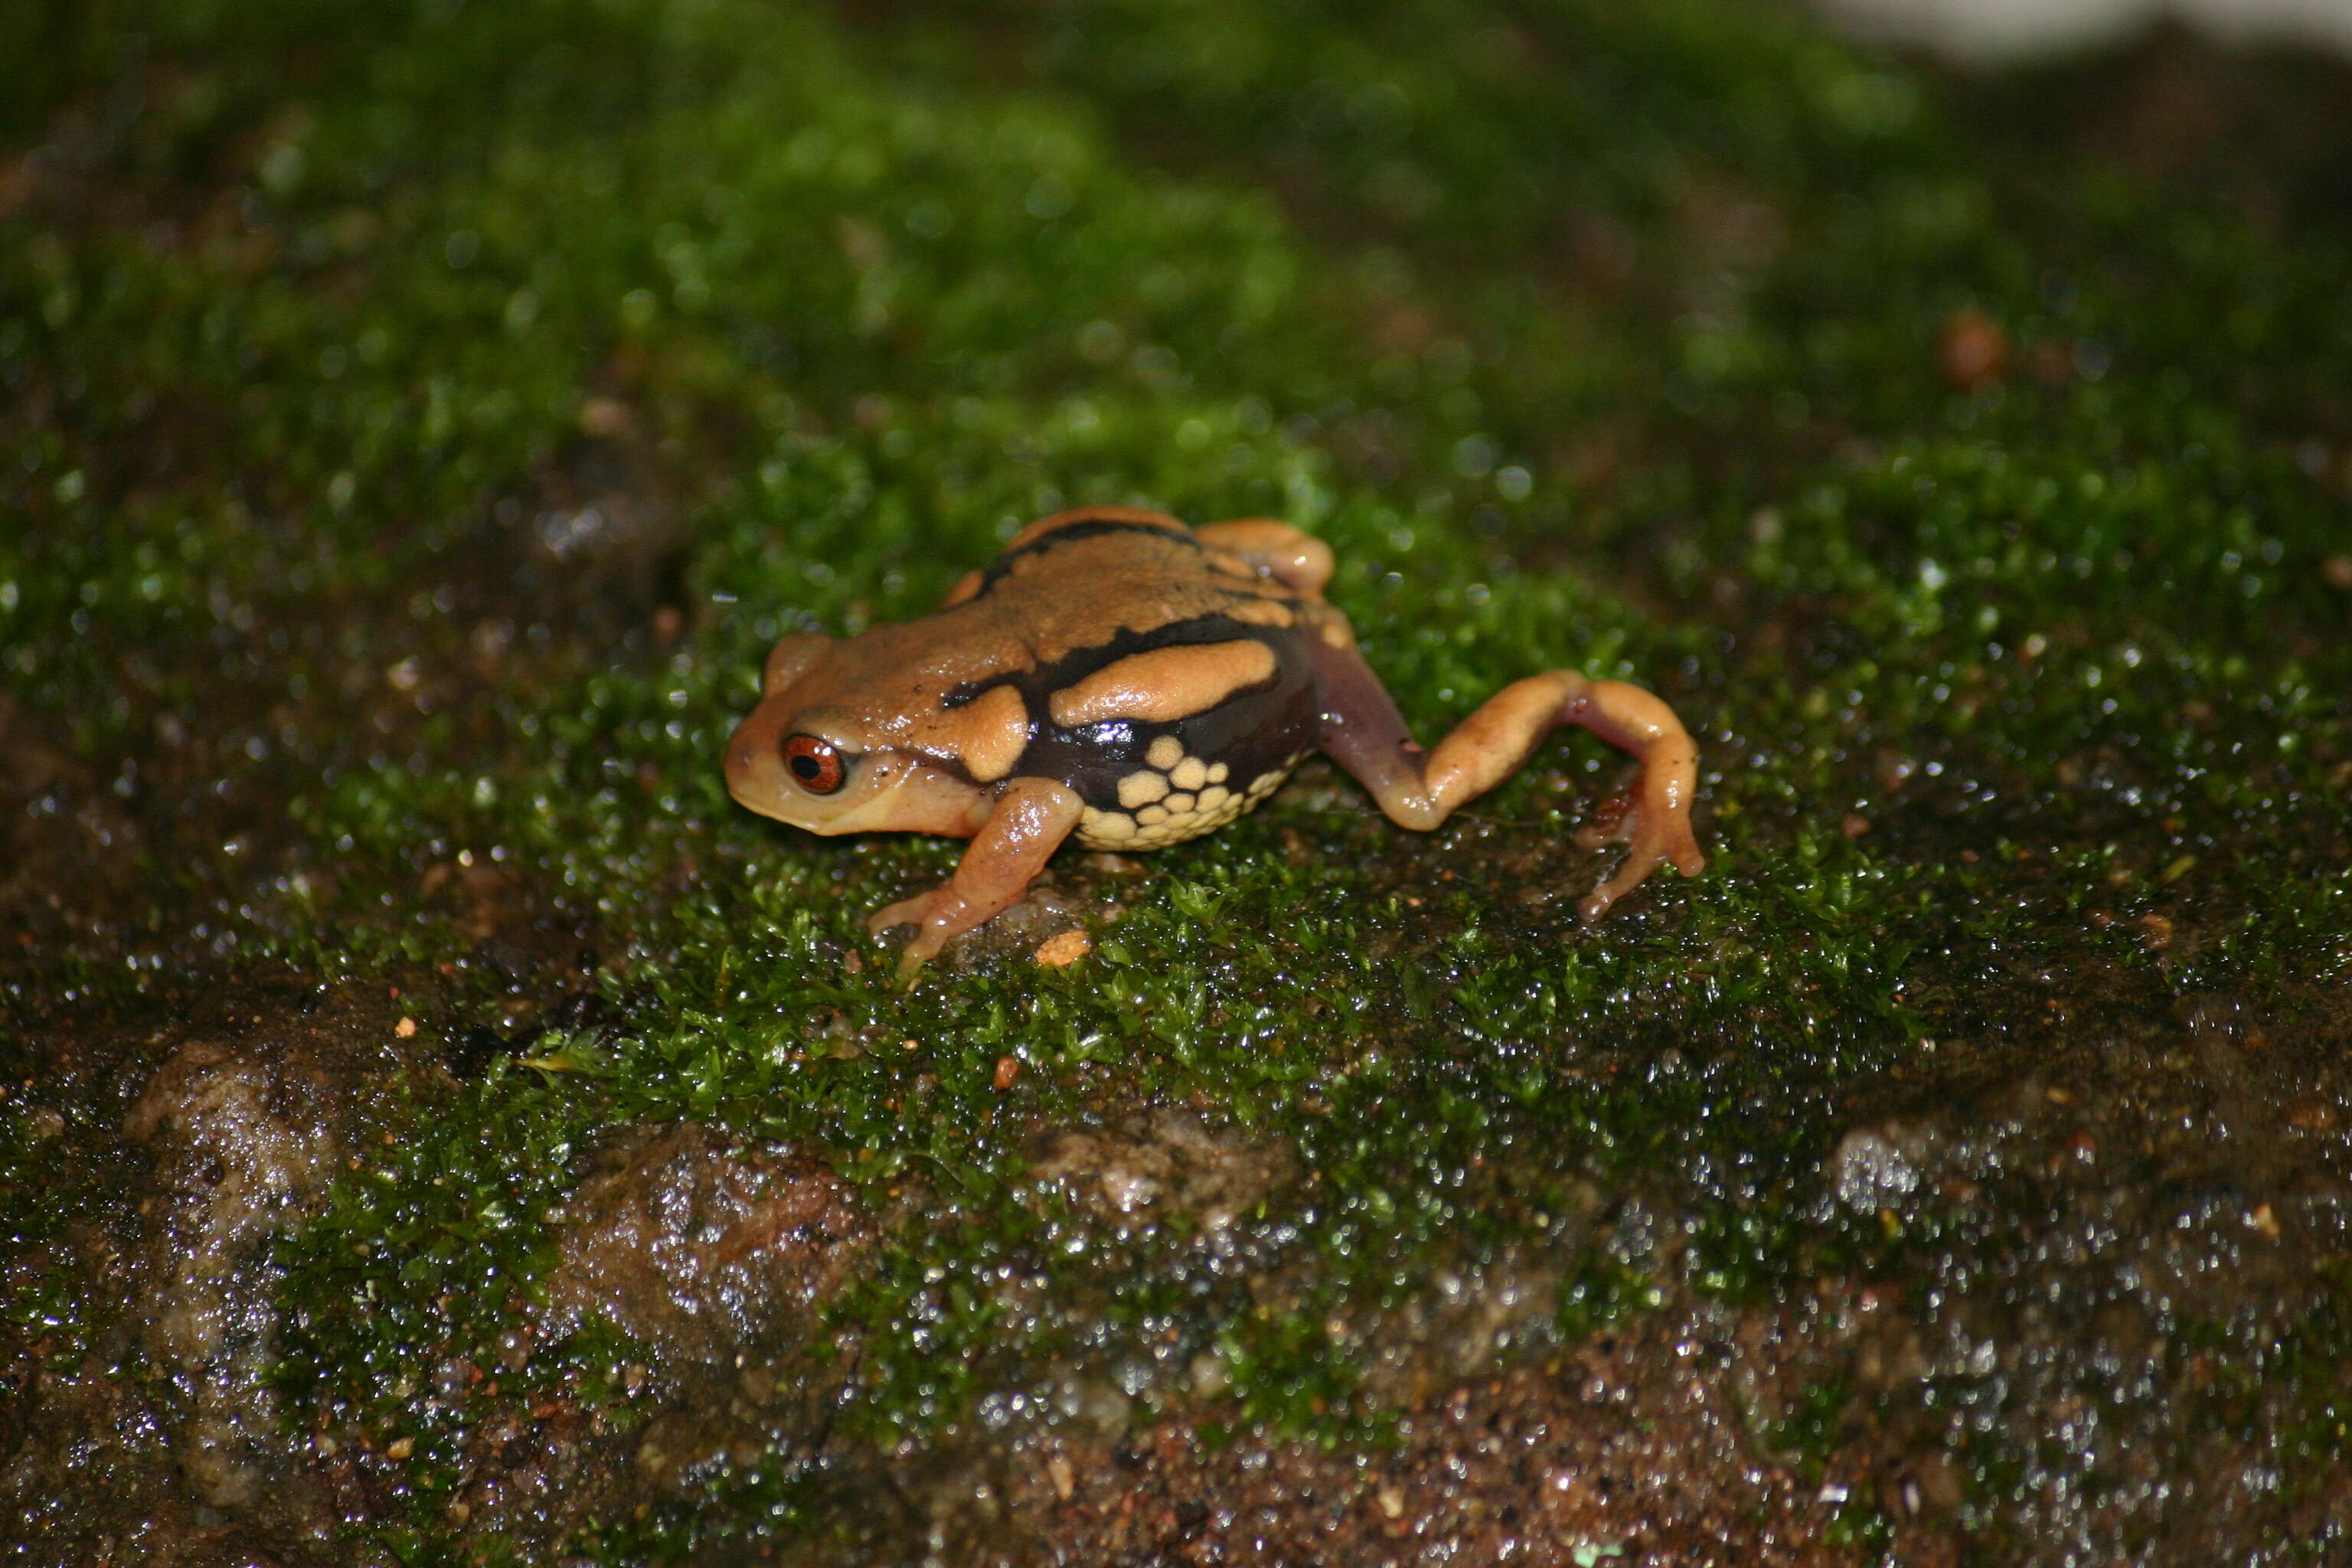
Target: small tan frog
x,y
1118,678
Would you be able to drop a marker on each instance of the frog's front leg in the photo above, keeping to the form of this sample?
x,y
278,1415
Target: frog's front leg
x,y
1363,733
1031,819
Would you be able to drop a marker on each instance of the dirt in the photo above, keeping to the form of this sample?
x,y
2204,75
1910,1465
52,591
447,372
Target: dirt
x,y
698,1251
220,1124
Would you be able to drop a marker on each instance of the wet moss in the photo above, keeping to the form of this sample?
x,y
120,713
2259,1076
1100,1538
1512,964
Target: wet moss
x,y
427,423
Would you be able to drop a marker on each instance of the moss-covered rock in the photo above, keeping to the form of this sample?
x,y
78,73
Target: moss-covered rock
x,y
440,1127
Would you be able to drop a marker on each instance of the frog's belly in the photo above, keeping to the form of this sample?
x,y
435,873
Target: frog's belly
x,y
1160,813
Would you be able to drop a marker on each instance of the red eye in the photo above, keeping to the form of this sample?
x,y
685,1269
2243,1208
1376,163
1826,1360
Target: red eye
x,y
814,762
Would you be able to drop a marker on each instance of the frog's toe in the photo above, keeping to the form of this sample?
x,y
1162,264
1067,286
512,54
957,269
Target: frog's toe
x,y
1631,873
917,954
904,913
935,917
1650,844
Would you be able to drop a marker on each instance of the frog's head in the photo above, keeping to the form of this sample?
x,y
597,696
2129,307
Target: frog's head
x,y
838,746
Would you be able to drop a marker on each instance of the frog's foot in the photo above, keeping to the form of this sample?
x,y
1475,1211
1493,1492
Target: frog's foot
x,y
1653,820
1031,819
1363,733
938,917
1656,831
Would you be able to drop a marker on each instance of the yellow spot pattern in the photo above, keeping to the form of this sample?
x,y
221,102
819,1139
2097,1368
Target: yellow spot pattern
x,y
1156,817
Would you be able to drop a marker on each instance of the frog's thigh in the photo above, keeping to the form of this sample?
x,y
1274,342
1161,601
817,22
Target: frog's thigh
x,y
1363,733
1300,560
1031,819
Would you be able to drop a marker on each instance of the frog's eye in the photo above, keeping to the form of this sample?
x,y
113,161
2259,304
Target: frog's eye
x,y
814,762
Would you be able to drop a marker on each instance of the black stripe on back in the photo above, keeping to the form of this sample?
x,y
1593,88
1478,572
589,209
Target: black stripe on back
x,y
1070,533
1039,684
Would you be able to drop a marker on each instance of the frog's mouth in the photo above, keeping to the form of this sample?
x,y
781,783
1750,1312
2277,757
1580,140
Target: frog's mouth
x,y
881,793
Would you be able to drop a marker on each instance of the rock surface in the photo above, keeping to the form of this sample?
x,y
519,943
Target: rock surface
x,y
437,1125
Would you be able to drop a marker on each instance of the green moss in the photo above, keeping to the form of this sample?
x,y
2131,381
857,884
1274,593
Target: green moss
x,y
45,1306
846,309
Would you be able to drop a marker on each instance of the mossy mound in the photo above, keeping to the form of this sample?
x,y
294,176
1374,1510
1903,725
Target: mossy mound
x,y
439,1126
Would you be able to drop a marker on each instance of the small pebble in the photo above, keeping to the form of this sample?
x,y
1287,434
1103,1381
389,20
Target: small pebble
x,y
405,1028
1008,1071
2310,1116
1062,950
606,417
1972,351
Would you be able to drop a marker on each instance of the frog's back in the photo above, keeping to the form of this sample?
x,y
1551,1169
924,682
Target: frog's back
x,y
1081,579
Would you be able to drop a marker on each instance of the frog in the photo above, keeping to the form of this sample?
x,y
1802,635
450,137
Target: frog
x,y
1118,680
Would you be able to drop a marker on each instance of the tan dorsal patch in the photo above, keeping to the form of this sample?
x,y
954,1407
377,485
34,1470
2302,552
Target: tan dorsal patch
x,y
987,735
1079,514
1261,612
1164,685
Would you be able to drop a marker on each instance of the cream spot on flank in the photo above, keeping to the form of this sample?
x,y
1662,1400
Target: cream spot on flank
x,y
1102,828
1217,771
1172,816
1165,753
1172,819
1141,789
1190,774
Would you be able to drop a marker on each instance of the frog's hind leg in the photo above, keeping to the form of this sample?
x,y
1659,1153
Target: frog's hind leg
x,y
1363,733
1300,562
1031,818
